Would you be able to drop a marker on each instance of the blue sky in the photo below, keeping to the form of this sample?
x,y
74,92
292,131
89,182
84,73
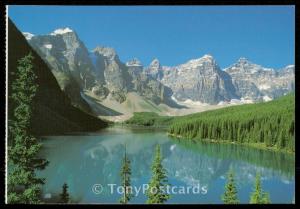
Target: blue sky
x,y
174,34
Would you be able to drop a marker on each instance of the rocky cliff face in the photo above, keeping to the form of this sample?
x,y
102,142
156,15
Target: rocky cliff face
x,y
255,82
100,71
146,85
66,55
68,60
199,80
118,78
155,70
202,80
111,73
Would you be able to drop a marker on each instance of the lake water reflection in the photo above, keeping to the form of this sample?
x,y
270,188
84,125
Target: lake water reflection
x,y
95,158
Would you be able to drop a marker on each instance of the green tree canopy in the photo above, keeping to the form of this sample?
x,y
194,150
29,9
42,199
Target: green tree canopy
x,y
125,179
23,184
157,191
258,196
230,194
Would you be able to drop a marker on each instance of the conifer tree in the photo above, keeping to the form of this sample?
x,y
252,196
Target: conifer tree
x,y
23,147
230,194
258,196
125,180
157,191
282,139
64,196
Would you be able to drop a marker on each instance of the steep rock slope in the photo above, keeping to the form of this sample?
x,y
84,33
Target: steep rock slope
x,y
146,85
53,112
199,80
99,71
69,61
111,73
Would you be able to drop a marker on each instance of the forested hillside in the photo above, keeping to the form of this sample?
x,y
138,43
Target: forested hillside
x,y
268,124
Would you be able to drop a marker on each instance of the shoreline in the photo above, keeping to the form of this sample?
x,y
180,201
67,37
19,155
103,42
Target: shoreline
x,y
253,145
165,128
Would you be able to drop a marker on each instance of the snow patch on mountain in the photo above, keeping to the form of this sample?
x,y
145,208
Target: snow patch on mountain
x,y
48,46
194,63
290,66
61,31
27,35
267,98
236,102
194,103
134,63
264,87
246,100
189,102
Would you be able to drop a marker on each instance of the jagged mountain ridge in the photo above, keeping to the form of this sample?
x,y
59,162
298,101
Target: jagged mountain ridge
x,y
99,71
243,80
255,82
199,80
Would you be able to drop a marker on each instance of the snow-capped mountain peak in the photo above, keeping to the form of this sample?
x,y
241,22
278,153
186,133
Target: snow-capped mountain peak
x,y
155,64
27,35
290,66
289,69
208,57
244,65
195,63
61,31
243,60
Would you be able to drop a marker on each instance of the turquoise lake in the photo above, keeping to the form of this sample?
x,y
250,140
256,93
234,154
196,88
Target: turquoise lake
x,y
83,160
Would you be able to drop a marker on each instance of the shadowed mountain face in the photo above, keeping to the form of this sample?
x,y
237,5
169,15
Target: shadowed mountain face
x,y
53,112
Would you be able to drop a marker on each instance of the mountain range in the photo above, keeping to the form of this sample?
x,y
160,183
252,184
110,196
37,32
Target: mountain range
x,y
99,78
